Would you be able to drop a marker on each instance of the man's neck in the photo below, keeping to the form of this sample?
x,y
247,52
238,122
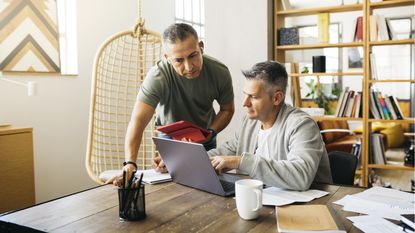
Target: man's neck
x,y
269,122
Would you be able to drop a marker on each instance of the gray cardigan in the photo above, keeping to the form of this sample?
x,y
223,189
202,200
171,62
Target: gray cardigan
x,y
298,154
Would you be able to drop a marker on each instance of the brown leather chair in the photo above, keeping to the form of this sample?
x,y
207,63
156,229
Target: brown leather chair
x,y
337,136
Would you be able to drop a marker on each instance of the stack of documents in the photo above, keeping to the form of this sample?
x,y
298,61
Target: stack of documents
x,y
279,197
153,177
379,201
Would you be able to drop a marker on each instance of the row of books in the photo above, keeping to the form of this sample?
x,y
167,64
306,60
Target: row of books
x,y
383,106
349,104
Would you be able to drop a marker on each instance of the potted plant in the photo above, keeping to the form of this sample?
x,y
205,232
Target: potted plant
x,y
320,98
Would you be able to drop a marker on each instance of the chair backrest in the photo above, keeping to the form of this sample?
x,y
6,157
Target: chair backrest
x,y
120,67
333,136
343,167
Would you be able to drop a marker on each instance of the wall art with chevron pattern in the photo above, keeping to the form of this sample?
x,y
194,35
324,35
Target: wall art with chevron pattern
x,y
29,37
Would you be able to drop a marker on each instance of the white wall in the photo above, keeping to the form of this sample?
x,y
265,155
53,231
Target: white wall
x,y
236,34
59,111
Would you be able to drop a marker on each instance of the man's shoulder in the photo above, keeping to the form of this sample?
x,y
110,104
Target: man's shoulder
x,y
213,63
295,115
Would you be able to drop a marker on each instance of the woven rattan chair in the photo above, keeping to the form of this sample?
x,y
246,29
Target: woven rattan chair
x,y
121,64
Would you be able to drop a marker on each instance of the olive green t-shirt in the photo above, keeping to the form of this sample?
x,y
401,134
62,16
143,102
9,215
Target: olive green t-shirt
x,y
177,98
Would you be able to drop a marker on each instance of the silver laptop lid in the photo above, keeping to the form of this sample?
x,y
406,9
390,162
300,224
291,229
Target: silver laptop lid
x,y
189,164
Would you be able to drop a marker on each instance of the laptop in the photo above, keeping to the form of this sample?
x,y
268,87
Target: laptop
x,y
188,164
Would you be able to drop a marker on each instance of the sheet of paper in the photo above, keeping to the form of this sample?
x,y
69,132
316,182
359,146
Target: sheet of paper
x,y
153,177
369,224
278,197
381,202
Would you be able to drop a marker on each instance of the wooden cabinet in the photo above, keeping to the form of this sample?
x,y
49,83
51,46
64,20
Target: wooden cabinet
x,y
16,168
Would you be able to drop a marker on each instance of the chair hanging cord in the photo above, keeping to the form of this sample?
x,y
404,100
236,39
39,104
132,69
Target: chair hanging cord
x,y
139,26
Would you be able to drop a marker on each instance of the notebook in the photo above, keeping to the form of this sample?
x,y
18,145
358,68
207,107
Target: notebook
x,y
189,164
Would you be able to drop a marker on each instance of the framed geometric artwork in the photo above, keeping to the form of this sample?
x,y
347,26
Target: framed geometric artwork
x,y
29,37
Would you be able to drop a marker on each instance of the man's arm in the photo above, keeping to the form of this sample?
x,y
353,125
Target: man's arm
x,y
140,117
224,116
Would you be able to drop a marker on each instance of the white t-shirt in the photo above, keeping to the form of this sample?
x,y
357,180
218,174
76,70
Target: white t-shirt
x,y
262,149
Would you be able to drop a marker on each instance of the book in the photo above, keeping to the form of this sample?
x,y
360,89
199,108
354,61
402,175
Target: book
x,y
286,5
373,67
390,108
382,28
378,149
399,113
323,27
288,36
340,102
377,103
408,219
373,108
292,218
373,25
358,112
359,29
383,105
184,129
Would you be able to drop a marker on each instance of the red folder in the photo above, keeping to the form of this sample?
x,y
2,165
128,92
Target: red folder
x,y
184,129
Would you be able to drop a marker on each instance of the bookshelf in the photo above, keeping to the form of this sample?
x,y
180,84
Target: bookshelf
x,y
365,9
368,48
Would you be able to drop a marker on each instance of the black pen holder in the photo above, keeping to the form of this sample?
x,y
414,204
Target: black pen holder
x,y
132,205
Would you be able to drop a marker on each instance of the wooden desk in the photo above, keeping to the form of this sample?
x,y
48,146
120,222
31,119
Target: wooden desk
x,y
170,208
17,180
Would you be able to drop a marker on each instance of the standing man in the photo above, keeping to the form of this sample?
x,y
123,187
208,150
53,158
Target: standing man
x,y
278,144
183,86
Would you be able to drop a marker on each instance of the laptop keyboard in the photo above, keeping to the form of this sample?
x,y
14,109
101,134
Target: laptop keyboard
x,y
227,186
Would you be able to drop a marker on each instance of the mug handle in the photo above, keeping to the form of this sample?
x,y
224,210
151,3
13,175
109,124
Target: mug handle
x,y
258,199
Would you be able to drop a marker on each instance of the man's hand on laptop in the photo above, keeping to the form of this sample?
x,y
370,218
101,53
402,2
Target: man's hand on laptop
x,y
158,165
225,163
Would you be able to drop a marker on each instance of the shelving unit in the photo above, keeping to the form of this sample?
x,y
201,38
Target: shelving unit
x,y
369,81
366,10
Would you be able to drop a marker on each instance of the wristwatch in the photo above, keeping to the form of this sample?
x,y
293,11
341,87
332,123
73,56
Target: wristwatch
x,y
130,162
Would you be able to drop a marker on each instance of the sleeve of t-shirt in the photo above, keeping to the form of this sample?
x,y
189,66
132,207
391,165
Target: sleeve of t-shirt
x,y
152,87
225,89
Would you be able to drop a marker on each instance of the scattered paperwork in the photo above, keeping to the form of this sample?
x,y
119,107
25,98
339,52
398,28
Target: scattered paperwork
x,y
374,224
379,202
279,197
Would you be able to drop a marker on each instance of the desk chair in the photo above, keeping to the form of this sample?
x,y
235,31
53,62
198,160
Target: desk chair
x,y
343,167
337,136
120,67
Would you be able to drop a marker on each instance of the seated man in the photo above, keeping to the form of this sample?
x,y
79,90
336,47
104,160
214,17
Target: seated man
x,y
277,143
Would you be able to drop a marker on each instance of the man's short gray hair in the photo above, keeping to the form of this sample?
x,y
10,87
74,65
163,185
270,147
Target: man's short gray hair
x,y
178,32
271,72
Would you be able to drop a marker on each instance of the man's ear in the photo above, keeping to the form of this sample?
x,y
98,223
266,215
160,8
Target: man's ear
x,y
202,46
165,56
278,97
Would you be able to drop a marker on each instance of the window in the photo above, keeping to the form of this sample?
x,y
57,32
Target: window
x,y
192,12
67,37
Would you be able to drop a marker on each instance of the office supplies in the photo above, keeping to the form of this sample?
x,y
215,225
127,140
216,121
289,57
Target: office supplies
x,y
188,164
184,129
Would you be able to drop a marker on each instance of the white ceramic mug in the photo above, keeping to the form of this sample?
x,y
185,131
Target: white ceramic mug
x,y
248,194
